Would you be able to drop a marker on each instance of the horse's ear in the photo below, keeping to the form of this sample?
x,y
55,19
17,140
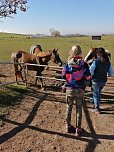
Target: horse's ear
x,y
54,50
57,49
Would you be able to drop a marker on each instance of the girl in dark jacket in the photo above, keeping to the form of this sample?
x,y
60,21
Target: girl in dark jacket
x,y
99,69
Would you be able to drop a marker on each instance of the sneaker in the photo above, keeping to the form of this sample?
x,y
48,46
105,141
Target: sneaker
x,y
78,132
97,111
70,129
63,89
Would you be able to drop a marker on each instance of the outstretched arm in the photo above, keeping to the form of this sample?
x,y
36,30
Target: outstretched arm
x,y
92,68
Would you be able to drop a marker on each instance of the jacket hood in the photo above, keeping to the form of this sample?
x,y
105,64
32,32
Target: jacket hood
x,y
74,60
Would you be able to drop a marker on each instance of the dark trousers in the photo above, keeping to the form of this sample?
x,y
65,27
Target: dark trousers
x,y
76,96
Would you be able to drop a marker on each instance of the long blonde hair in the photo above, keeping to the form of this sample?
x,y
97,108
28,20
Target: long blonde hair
x,y
75,51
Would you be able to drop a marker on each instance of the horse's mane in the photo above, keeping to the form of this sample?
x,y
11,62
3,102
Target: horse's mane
x,y
33,47
43,54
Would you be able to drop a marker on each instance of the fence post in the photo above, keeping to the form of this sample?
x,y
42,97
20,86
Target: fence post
x,y
25,73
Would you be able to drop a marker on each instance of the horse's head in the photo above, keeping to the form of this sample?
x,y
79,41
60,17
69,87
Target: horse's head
x,y
92,54
49,55
55,57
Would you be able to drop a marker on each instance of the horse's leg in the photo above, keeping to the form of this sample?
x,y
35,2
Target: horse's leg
x,y
22,77
39,74
42,85
36,78
16,77
21,72
16,74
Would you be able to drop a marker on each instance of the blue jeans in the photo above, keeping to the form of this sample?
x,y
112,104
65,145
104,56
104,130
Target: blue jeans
x,y
97,87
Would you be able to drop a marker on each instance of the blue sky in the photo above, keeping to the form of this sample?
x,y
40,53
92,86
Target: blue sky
x,y
65,16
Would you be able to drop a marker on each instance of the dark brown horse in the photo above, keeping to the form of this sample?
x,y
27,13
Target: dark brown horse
x,y
38,57
92,55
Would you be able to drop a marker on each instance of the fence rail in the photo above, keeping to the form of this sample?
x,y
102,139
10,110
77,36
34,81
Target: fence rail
x,y
25,72
3,84
56,67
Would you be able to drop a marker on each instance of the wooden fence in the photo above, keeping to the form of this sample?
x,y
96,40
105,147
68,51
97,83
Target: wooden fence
x,y
26,71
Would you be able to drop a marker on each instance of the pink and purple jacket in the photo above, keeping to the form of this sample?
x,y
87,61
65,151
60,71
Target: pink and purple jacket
x,y
76,72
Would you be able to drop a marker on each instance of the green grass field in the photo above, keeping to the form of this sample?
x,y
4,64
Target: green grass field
x,y
12,94
12,42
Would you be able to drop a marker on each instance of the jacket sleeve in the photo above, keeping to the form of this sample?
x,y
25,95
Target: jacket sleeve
x,y
64,72
87,72
92,68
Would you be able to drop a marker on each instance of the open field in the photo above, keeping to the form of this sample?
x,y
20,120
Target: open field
x,y
10,43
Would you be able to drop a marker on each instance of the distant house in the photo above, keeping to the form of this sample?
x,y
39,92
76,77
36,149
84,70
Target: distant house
x,y
38,35
96,37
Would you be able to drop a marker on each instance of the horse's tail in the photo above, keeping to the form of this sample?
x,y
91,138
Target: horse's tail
x,y
14,59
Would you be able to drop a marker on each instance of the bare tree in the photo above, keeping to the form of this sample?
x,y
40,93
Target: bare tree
x,y
57,33
54,33
52,30
10,7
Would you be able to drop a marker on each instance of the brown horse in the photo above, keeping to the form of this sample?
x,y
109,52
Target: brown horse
x,y
92,55
38,57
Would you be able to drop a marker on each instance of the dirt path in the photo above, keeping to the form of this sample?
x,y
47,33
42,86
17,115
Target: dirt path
x,y
38,124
